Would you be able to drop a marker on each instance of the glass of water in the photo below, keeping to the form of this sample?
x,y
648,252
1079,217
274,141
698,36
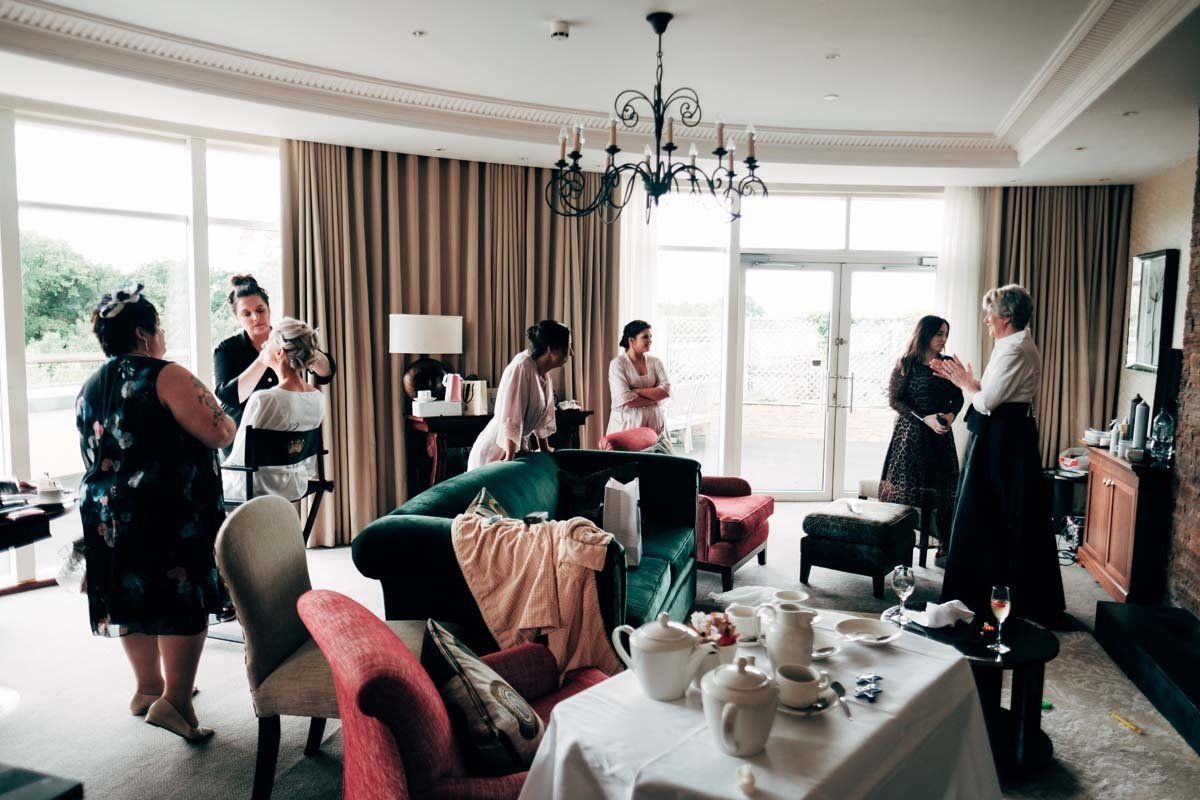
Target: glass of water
x,y
904,582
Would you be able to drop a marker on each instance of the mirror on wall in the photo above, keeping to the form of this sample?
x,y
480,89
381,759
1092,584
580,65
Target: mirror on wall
x,y
1151,308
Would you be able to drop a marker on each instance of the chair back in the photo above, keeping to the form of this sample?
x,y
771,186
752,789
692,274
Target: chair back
x,y
261,557
634,440
270,448
397,739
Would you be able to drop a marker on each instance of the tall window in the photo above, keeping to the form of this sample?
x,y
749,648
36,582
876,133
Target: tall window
x,y
243,227
100,209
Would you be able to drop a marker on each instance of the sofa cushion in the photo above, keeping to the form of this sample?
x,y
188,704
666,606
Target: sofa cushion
x,y
647,586
523,486
674,545
742,516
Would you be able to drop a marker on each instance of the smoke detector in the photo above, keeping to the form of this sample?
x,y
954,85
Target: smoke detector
x,y
560,29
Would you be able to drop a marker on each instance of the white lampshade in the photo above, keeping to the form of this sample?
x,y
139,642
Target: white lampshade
x,y
424,333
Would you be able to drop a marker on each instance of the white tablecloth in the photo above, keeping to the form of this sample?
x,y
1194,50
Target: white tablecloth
x,y
923,737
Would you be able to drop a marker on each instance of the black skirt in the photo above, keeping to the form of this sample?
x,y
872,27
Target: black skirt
x,y
1001,534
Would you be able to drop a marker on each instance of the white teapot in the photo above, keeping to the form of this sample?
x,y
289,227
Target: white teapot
x,y
663,655
739,706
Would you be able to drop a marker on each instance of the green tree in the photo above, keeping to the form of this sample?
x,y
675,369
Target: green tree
x,y
61,286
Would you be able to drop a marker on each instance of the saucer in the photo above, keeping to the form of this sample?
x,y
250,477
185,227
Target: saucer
x,y
826,700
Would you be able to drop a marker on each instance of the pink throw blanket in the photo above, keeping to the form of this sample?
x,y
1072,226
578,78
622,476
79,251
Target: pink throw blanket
x,y
540,579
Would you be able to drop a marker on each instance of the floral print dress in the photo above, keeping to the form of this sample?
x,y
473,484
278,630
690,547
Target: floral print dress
x,y
151,505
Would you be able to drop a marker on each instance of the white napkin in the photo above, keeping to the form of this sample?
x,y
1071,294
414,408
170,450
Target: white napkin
x,y
941,615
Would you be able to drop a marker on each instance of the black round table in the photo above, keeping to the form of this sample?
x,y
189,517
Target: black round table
x,y
1019,746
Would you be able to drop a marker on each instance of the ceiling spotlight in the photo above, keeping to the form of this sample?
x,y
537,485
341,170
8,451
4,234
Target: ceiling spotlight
x,y
1129,113
1081,148
832,56
417,34
832,97
560,30
1105,180
1012,180
440,149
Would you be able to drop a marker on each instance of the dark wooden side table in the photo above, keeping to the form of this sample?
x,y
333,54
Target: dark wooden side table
x,y
24,784
428,438
1019,746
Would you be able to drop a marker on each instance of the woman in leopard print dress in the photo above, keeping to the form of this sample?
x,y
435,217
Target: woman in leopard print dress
x,y
922,455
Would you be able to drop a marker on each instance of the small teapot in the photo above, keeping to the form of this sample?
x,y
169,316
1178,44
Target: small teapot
x,y
663,655
789,632
739,707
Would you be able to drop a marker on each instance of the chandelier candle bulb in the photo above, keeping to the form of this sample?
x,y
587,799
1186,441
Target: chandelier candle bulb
x,y
692,153
750,134
720,135
732,147
578,140
647,154
612,131
670,130
562,144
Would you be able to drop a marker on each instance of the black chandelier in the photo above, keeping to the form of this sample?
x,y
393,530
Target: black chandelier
x,y
566,191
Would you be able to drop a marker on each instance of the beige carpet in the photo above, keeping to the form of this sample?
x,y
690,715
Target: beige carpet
x,y
72,718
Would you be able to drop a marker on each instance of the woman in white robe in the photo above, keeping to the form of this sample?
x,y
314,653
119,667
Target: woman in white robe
x,y
638,383
524,398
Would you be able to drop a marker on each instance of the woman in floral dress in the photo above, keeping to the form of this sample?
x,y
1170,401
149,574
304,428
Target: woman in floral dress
x,y
150,503
922,455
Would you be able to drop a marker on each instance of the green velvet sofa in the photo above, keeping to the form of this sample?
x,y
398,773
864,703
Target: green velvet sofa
x,y
410,554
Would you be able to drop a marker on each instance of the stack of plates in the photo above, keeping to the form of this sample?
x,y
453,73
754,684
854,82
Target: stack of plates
x,y
1096,438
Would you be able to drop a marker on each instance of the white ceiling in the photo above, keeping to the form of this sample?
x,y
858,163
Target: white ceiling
x,y
932,67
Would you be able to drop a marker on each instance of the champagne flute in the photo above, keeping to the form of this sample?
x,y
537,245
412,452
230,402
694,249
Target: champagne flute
x,y
904,582
1001,605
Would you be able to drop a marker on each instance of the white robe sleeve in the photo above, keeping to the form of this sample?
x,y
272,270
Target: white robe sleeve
x,y
512,395
618,384
661,379
548,423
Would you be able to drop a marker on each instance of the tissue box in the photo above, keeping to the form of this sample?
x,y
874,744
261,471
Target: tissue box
x,y
437,408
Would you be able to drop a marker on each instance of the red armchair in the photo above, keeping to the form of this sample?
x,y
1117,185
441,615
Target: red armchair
x,y
397,737
632,440
731,526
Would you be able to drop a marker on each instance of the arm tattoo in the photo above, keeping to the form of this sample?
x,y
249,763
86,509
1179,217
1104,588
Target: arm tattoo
x,y
206,399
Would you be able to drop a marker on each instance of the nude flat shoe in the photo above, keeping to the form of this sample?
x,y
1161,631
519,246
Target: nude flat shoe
x,y
164,715
141,703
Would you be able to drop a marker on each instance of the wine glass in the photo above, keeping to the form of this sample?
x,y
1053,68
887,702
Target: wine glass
x,y
904,582
1001,605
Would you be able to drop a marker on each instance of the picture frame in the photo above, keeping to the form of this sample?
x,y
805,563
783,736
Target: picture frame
x,y
1152,286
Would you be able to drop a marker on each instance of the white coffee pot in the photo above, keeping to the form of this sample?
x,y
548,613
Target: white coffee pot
x,y
789,633
663,655
739,707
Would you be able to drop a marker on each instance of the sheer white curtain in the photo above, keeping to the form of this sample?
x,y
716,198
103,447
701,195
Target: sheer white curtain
x,y
638,255
960,280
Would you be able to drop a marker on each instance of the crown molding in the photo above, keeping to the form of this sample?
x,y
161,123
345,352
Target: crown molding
x,y
47,31
1109,38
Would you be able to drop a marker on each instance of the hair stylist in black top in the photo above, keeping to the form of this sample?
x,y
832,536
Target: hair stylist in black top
x,y
239,363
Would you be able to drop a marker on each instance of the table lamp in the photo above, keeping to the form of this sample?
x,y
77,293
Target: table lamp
x,y
423,334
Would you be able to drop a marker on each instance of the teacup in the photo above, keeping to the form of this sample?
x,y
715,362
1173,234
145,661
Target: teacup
x,y
788,596
800,686
744,619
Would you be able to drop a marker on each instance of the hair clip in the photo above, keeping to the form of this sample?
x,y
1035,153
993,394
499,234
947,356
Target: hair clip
x,y
118,301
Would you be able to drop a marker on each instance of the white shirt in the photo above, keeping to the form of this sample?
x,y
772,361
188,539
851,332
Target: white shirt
x,y
1012,374
623,378
524,407
275,409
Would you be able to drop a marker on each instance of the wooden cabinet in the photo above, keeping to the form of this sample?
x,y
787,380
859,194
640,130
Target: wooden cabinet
x,y
1126,527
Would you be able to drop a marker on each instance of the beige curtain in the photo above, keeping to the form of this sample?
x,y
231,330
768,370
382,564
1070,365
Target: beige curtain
x,y
1069,246
368,233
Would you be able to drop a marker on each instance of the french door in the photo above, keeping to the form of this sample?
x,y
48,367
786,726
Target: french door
x,y
812,348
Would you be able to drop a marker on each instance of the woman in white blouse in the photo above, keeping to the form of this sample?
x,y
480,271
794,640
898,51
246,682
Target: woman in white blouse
x,y
524,398
291,350
1001,534
638,383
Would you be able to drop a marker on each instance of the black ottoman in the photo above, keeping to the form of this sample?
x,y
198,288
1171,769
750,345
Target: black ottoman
x,y
869,540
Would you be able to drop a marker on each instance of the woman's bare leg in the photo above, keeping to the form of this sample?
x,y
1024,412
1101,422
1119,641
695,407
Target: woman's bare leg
x,y
143,655
181,658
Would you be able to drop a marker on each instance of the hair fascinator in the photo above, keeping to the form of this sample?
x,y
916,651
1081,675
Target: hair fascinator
x,y
115,303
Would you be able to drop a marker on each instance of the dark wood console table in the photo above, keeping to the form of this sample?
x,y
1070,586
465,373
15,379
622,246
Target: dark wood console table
x,y
428,438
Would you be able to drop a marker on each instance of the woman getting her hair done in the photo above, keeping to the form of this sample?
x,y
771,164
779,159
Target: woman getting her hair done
x,y
293,405
240,363
638,383
524,398
150,504
922,455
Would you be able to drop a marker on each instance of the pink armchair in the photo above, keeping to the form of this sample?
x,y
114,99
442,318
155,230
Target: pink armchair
x,y
732,525
397,737
632,440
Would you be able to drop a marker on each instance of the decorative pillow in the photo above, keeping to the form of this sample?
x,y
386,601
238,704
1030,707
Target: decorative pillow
x,y
499,731
487,507
583,495
623,517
